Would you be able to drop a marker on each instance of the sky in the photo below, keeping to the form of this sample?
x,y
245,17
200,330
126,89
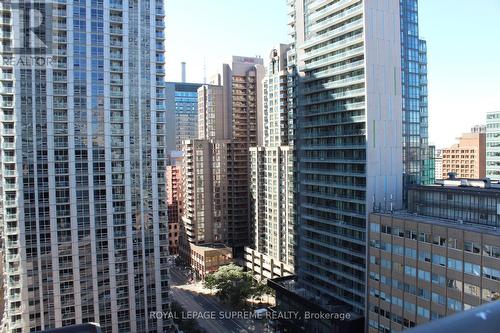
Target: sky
x,y
463,41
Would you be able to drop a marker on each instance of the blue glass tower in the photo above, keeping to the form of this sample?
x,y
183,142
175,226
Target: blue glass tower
x,y
417,156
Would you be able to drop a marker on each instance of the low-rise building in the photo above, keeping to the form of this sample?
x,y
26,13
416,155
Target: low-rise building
x,y
207,258
439,257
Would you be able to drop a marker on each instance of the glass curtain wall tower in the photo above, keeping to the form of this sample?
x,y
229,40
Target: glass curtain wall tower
x,y
417,155
83,165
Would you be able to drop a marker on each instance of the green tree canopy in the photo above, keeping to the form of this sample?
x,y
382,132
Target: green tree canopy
x,y
233,284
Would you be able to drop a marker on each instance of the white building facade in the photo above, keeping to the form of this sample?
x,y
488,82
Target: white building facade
x,y
83,167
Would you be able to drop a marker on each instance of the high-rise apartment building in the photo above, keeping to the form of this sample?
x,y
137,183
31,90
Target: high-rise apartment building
x,y
83,166
230,111
438,164
243,88
349,137
440,257
478,129
204,220
271,252
493,145
214,121
174,200
182,113
467,158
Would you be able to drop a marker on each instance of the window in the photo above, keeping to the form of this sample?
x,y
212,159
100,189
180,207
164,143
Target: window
x,y
424,275
452,243
410,307
423,312
438,279
398,249
439,299
455,264
438,260
411,271
472,269
375,227
424,256
423,237
472,247
424,293
491,273
411,253
454,305
438,240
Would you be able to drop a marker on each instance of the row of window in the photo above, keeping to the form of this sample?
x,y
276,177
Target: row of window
x,y
468,246
451,263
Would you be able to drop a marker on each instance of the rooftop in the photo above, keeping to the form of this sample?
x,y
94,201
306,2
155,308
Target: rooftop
x,y
476,186
403,214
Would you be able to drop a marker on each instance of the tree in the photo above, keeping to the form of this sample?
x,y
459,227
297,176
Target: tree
x,y
233,284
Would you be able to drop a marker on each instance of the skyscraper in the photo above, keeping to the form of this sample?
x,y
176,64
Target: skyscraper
x,y
271,251
416,151
83,167
243,89
493,145
349,137
182,113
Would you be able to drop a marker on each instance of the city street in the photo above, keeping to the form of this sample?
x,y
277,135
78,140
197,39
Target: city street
x,y
196,300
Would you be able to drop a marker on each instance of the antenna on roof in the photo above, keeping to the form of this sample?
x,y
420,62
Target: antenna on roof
x,y
204,70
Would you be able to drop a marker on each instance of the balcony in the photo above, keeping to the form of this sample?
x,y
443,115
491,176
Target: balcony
x,y
116,31
11,230
116,43
60,78
60,105
13,257
7,104
9,159
59,12
7,90
5,34
60,25
116,5
5,20
62,92
8,145
116,18
116,55
60,39
118,81
7,76
116,68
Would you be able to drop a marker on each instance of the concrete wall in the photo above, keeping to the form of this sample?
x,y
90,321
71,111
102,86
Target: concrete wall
x,y
383,103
